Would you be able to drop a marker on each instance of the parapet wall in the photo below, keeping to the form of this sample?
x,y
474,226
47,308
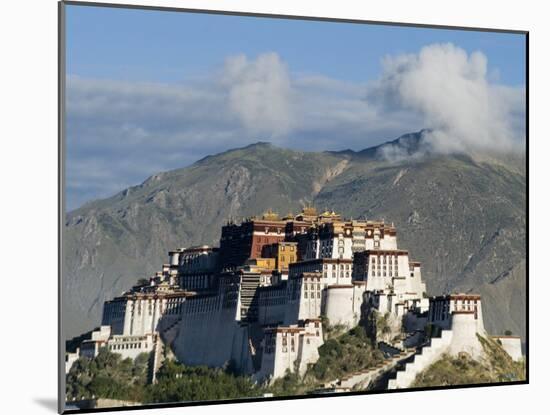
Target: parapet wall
x,y
213,338
465,329
512,346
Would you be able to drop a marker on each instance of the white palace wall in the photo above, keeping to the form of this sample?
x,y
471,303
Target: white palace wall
x,y
290,348
114,313
272,304
210,334
465,330
305,298
271,314
343,304
140,314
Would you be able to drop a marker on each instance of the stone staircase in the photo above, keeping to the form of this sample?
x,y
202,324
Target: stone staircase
x,y
362,379
389,350
413,339
249,299
427,355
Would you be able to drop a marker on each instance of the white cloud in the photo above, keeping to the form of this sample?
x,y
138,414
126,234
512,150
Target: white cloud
x,y
260,93
121,132
451,91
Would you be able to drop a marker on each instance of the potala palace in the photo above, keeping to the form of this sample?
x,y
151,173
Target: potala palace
x,y
262,299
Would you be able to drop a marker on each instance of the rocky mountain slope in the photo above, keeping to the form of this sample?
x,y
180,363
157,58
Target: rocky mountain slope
x,y
463,217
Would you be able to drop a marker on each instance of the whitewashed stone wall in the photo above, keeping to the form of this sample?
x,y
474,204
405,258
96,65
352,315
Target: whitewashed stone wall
x,y
70,358
290,348
512,345
114,313
343,304
140,314
272,304
465,330
90,348
211,335
442,308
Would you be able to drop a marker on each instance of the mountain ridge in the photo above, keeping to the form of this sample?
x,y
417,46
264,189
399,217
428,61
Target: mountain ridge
x,y
463,218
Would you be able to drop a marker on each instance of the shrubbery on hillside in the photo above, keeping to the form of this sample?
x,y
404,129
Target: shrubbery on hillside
x,y
108,376
177,382
338,356
347,353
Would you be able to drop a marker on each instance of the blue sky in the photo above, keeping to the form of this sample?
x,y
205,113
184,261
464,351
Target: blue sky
x,y
170,46
185,85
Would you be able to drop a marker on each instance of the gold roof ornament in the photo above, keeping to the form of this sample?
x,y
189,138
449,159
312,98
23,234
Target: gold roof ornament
x,y
270,215
309,211
289,216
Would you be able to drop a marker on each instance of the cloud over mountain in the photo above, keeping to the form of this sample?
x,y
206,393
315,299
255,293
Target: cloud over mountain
x,y
260,93
120,132
451,91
